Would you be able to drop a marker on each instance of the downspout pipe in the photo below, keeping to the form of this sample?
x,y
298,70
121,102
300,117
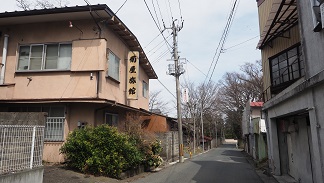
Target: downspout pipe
x,y
4,58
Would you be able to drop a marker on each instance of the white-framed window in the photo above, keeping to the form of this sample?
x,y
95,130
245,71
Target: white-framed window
x,y
111,119
54,127
37,57
145,89
113,66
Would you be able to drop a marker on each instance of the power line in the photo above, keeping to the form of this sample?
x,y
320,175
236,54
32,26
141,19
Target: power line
x,y
197,68
170,10
230,20
180,9
168,38
168,44
152,40
121,6
167,89
169,16
156,15
162,54
157,2
241,43
220,46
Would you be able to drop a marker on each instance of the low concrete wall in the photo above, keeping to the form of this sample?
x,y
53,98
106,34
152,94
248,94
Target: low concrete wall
x,y
27,176
170,145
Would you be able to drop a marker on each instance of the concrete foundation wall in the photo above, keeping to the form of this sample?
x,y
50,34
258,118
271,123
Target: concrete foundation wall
x,y
27,176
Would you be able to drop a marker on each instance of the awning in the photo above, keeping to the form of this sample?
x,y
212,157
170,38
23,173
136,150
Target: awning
x,y
282,17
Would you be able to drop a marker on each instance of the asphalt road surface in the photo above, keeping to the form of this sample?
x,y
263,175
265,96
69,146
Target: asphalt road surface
x,y
225,164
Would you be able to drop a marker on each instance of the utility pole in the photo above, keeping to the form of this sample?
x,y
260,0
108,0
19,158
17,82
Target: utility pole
x,y
194,140
177,72
216,133
202,127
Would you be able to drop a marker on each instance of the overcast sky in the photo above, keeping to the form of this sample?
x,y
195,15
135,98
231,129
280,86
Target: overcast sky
x,y
204,21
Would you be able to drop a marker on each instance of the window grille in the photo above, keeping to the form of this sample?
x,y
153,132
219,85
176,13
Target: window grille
x,y
54,129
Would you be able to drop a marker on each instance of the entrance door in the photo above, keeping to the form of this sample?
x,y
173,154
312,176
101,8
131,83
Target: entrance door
x,y
303,138
291,162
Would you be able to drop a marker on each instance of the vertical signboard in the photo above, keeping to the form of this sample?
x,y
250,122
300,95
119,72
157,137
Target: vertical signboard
x,y
132,75
185,95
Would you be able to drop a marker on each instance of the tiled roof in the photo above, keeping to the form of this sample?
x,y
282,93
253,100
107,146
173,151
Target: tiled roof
x,y
256,104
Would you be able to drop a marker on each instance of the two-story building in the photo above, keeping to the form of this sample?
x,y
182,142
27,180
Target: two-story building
x,y
292,44
254,131
80,64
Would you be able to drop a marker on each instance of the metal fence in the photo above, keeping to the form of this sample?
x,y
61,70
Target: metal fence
x,y
21,147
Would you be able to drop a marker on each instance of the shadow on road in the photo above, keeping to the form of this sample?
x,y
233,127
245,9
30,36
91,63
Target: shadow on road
x,y
228,166
225,172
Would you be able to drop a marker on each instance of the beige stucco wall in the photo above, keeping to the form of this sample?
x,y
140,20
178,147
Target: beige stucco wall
x,y
89,55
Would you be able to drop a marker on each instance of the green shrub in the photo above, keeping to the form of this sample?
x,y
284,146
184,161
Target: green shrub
x,y
101,151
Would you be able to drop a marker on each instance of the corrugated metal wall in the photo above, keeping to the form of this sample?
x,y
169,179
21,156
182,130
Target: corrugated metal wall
x,y
264,11
278,45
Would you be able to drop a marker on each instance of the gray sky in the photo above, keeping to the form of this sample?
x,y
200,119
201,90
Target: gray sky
x,y
204,21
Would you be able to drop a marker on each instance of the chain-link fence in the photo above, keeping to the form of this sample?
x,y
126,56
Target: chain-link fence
x,y
21,147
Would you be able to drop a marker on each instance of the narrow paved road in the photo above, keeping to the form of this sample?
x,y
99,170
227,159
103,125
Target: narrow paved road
x,y
225,164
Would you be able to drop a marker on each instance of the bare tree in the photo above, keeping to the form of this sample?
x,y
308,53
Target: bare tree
x,y
23,4
156,102
236,89
27,5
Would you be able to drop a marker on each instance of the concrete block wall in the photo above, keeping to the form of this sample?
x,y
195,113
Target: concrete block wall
x,y
170,145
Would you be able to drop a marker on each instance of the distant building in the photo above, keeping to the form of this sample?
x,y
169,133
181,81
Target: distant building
x,y
81,65
292,44
254,131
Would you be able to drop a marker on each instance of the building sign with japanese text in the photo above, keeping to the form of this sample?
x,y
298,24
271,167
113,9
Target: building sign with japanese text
x,y
132,75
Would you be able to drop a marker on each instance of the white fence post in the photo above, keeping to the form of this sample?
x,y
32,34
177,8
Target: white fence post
x,y
3,142
32,148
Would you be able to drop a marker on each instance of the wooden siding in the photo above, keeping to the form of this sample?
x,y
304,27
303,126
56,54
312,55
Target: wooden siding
x,y
278,45
264,11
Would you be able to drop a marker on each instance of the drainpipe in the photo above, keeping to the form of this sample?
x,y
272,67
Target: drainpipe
x,y
4,58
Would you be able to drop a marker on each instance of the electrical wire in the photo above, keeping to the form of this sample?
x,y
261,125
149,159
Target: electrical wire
x,y
156,15
219,43
121,6
167,89
241,43
230,21
167,43
197,68
157,2
168,38
180,9
162,54
170,9
220,46
152,40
